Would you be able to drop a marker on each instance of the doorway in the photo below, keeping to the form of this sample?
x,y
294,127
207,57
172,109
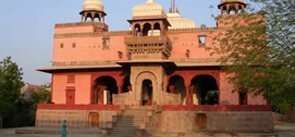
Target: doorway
x,y
94,119
70,96
147,93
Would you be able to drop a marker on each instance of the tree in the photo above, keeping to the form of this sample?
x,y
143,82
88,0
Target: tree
x,y
261,54
41,96
10,86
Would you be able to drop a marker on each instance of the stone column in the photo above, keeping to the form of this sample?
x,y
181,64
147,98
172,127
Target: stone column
x,y
120,85
189,94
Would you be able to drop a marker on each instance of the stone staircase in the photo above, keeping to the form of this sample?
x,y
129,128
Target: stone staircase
x,y
130,123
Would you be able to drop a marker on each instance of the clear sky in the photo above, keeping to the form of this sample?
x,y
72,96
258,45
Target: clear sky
x,y
27,26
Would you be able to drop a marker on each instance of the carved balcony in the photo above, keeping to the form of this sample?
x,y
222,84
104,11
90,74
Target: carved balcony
x,y
148,47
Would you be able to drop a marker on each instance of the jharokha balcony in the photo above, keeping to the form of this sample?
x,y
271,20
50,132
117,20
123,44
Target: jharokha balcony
x,y
148,47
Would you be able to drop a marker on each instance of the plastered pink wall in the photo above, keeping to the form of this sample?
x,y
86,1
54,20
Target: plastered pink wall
x,y
190,41
59,86
83,88
256,100
88,49
76,29
226,91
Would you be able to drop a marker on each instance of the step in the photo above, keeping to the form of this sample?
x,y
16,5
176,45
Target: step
x,y
129,121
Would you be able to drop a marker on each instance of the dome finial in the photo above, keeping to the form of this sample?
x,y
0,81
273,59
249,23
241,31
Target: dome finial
x,y
150,1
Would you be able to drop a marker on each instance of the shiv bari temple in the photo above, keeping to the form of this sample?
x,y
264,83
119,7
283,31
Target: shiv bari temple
x,y
155,77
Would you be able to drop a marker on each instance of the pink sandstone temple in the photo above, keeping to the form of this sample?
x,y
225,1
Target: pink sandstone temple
x,y
155,77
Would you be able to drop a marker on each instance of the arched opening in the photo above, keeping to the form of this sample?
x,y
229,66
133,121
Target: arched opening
x,y
97,18
224,10
176,85
104,88
126,85
157,29
88,17
232,10
157,26
93,120
137,30
206,90
146,29
147,92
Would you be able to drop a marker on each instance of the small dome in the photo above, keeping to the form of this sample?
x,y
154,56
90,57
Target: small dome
x,y
225,1
93,5
150,8
179,22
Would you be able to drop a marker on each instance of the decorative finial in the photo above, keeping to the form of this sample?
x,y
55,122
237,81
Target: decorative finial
x,y
173,8
150,1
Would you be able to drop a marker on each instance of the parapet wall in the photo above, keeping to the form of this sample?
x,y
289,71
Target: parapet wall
x,y
52,116
231,120
169,118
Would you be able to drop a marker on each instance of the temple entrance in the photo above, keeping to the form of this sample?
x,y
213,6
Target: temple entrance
x,y
104,88
206,90
176,85
94,119
147,93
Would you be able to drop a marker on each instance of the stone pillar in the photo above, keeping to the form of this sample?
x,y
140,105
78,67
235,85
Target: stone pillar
x,y
120,85
141,28
162,28
187,94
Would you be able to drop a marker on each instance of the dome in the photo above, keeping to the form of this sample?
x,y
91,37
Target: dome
x,y
223,1
150,8
93,5
179,22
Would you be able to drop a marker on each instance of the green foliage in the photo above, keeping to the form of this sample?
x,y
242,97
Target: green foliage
x,y
10,80
261,54
10,86
41,96
15,110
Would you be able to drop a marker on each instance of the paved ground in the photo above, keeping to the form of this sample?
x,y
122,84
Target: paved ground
x,y
281,130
